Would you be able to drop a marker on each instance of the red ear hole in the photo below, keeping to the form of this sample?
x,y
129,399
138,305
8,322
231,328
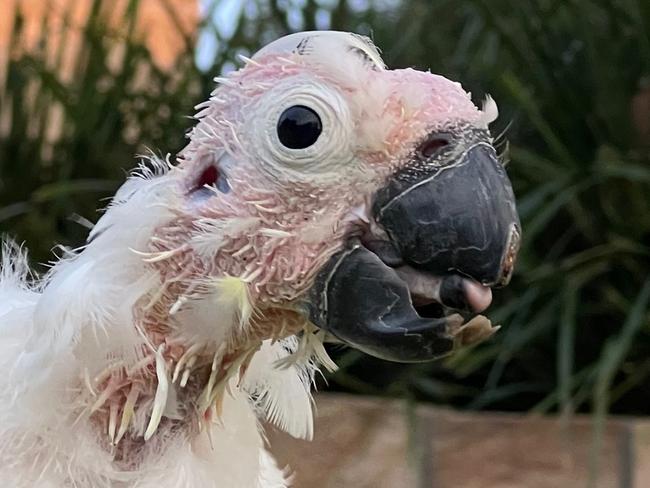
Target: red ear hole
x,y
209,177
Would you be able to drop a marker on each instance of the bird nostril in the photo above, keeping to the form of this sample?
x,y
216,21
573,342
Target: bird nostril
x,y
432,145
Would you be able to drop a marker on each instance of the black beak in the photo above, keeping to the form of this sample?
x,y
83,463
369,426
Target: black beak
x,y
450,221
459,218
363,302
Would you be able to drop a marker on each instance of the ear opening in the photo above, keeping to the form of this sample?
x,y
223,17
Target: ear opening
x,y
208,177
210,180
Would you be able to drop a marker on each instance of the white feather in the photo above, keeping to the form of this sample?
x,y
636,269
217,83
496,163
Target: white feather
x,y
211,234
282,394
489,112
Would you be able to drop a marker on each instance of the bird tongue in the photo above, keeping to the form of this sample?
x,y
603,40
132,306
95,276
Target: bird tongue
x,y
452,291
478,297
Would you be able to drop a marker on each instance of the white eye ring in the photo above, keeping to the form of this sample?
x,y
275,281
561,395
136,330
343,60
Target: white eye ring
x,y
330,151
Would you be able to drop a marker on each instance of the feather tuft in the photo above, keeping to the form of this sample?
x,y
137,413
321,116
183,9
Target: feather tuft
x,y
489,112
160,400
282,394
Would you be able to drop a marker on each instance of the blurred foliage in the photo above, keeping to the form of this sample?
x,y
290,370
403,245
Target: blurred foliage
x,y
572,79
66,145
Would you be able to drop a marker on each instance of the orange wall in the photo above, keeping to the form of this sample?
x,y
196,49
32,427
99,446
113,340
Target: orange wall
x,y
160,33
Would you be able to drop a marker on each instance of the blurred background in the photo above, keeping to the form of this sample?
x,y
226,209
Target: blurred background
x,y
87,85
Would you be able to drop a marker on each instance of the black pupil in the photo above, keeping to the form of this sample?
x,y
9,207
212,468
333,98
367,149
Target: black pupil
x,y
299,127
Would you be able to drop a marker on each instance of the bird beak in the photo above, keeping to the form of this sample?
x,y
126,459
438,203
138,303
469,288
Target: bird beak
x,y
457,218
447,233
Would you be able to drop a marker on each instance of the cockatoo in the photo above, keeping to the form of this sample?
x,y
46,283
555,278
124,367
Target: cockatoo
x,y
321,195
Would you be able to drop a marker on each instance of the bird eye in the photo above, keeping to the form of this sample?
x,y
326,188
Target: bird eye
x,y
299,127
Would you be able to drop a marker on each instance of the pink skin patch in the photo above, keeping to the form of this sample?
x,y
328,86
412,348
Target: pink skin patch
x,y
478,296
425,288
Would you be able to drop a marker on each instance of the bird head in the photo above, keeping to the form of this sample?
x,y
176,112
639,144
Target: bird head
x,y
321,188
